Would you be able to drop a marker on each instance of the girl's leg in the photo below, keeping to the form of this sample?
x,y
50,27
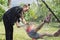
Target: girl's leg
x,y
56,34
39,27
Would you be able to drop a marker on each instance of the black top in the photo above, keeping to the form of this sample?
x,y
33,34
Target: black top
x,y
14,14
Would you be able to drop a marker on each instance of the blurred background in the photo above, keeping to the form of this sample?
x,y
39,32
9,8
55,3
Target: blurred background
x,y
37,12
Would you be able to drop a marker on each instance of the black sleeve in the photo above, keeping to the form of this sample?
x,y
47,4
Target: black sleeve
x,y
19,13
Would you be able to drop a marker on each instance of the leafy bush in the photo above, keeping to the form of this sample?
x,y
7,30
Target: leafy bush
x,y
1,13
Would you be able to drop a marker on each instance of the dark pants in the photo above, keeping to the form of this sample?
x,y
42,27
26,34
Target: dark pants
x,y
8,28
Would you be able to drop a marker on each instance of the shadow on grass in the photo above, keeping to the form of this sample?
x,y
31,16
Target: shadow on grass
x,y
2,34
2,39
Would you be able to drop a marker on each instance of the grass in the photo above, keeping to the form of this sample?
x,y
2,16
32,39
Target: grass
x,y
20,34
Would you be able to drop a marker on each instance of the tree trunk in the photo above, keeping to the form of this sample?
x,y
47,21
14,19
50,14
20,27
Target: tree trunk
x,y
9,2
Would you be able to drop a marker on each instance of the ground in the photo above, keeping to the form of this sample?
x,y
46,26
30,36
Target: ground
x,y
20,34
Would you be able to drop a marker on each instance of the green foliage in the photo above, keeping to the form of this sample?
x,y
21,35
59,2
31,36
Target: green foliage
x,y
37,12
1,13
3,3
55,6
31,14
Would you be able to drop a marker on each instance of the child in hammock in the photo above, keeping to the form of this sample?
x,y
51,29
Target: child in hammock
x,y
32,31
